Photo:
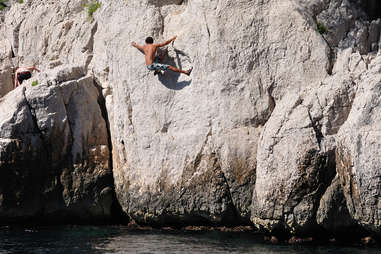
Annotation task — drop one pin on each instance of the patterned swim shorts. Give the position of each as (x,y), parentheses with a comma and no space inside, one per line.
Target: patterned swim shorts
(157,66)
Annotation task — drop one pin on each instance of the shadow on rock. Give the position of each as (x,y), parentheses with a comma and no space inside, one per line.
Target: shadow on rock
(170,79)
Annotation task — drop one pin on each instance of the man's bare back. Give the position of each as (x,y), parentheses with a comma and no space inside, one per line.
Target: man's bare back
(152,61)
(150,53)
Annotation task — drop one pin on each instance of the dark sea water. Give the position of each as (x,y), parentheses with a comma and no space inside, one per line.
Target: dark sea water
(112,239)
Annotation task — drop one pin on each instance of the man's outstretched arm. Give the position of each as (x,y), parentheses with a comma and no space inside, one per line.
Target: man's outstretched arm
(137,45)
(167,42)
(32,69)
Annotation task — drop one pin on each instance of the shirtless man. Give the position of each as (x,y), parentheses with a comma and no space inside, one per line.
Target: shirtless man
(23,73)
(153,61)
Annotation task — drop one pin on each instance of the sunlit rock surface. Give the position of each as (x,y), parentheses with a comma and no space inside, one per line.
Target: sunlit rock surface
(276,126)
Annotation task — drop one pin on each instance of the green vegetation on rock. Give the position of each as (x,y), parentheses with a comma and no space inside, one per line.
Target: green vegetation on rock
(35,83)
(2,4)
(321,28)
(92,7)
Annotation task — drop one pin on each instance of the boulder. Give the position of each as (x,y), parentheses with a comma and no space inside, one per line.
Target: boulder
(55,155)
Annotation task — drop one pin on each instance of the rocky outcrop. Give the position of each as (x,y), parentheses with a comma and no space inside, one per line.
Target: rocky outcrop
(358,145)
(275,127)
(187,147)
(54,152)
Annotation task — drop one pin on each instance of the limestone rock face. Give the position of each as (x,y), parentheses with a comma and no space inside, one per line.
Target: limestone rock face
(50,33)
(276,126)
(358,147)
(186,147)
(54,152)
(297,150)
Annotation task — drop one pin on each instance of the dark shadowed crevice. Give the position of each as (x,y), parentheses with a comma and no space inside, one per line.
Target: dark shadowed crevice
(331,58)
(272,102)
(161,3)
(237,219)
(16,38)
(316,126)
(102,106)
(118,216)
(372,8)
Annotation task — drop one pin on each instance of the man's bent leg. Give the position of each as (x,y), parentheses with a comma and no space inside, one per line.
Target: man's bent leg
(178,70)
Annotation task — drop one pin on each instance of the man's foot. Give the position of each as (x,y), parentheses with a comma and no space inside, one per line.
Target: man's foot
(188,72)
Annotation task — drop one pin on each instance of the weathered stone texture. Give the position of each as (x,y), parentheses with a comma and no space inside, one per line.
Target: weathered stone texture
(272,112)
(55,158)
(358,141)
(174,133)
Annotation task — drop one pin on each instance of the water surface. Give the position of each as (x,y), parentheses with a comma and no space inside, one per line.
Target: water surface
(116,239)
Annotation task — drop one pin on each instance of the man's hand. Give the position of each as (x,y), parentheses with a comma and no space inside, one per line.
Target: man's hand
(174,37)
(134,44)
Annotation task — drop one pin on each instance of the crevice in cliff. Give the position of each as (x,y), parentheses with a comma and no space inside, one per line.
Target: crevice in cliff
(238,219)
(89,48)
(161,3)
(12,53)
(331,54)
(16,38)
(70,124)
(162,22)
(117,214)
(316,126)
(331,58)
(102,105)
(272,102)
(207,29)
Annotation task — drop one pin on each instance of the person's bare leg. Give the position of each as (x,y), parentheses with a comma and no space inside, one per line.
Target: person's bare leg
(178,70)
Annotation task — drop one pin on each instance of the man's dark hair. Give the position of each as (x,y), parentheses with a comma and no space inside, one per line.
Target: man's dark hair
(149,40)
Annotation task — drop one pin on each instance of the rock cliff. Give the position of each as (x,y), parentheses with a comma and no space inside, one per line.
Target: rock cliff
(276,126)
(55,158)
